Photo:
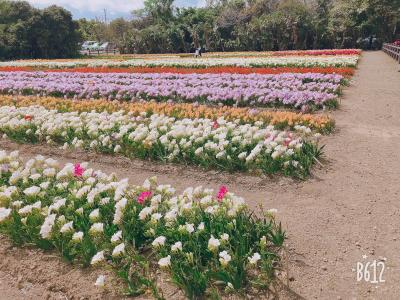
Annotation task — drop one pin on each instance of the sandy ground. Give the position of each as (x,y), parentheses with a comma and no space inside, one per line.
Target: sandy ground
(348,209)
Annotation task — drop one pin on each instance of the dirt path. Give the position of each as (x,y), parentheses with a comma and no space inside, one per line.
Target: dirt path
(348,209)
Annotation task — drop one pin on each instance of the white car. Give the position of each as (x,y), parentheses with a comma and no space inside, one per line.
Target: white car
(88,45)
(103,46)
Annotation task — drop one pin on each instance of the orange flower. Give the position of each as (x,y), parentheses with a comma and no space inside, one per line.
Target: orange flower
(281,119)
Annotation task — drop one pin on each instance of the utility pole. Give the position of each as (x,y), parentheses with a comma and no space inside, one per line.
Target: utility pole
(105,15)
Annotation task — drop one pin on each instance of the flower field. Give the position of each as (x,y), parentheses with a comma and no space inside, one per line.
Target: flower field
(243,61)
(279,119)
(291,90)
(199,237)
(203,142)
(256,113)
(345,71)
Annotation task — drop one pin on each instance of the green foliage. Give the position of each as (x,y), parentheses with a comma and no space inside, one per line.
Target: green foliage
(237,25)
(27,32)
(223,25)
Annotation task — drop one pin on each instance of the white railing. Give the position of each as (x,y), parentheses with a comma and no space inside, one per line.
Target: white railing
(392,50)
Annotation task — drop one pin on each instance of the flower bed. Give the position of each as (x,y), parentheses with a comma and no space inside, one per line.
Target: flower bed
(211,70)
(285,53)
(190,62)
(280,119)
(201,239)
(318,52)
(287,90)
(202,142)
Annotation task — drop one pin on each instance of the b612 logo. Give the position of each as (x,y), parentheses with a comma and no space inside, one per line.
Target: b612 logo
(370,271)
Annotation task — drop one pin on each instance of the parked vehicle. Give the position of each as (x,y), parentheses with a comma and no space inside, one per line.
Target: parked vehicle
(104,46)
(88,44)
(94,47)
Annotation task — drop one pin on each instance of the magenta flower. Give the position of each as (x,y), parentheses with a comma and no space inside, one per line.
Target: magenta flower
(143,196)
(78,170)
(215,125)
(221,193)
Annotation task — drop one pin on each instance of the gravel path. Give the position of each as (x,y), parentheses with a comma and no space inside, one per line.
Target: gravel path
(349,208)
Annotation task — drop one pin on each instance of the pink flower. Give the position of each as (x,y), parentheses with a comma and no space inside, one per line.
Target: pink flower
(221,193)
(215,125)
(78,170)
(143,196)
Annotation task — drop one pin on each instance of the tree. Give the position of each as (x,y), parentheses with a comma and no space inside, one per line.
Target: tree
(26,32)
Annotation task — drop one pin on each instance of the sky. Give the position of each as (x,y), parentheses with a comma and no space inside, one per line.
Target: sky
(95,8)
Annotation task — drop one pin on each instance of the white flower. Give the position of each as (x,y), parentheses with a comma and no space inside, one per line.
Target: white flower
(159,241)
(17,204)
(224,237)
(35,177)
(45,230)
(255,258)
(98,258)
(275,154)
(242,156)
(44,185)
(79,211)
(100,281)
(57,205)
(201,226)
(225,258)
(189,227)
(176,247)
(67,227)
(94,215)
(119,208)
(105,200)
(206,200)
(272,211)
(170,215)
(146,184)
(77,236)
(97,228)
(213,243)
(165,262)
(118,250)
(155,217)
(145,212)
(32,191)
(116,237)
(4,213)
(199,151)
(28,209)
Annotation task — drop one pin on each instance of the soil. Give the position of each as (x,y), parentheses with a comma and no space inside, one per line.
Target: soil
(348,209)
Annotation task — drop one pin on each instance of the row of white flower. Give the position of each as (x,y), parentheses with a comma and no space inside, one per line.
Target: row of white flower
(198,141)
(96,218)
(267,61)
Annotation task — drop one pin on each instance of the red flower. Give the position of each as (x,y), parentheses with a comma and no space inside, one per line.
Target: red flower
(215,125)
(28,117)
(78,170)
(212,70)
(221,193)
(143,196)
